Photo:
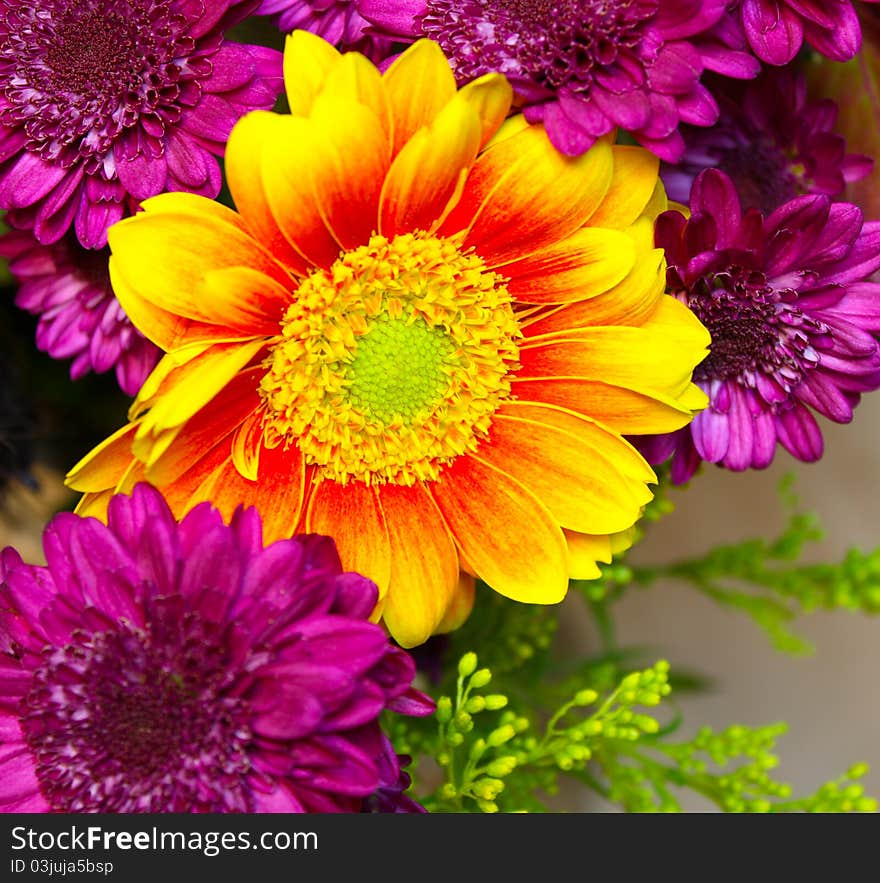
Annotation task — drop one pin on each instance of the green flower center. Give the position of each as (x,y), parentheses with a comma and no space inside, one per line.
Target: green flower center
(401,368)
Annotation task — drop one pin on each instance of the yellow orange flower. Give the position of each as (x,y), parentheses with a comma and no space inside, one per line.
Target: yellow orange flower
(424,332)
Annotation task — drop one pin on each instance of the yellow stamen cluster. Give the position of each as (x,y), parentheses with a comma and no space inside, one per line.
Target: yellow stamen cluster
(391,362)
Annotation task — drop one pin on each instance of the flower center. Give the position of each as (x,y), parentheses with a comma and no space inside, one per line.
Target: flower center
(129,720)
(756,329)
(556,43)
(764,177)
(391,362)
(80,74)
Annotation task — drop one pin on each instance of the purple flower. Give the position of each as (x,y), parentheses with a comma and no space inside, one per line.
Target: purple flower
(391,796)
(68,287)
(772,142)
(776,29)
(153,666)
(792,316)
(585,67)
(337,21)
(109,102)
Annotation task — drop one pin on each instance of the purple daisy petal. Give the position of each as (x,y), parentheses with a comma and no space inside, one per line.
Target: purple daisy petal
(68,287)
(125,685)
(793,317)
(585,67)
(113,101)
(337,21)
(776,29)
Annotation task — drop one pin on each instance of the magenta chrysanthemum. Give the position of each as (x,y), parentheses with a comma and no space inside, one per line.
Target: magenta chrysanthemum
(337,21)
(108,102)
(772,142)
(584,67)
(776,29)
(792,316)
(68,287)
(153,666)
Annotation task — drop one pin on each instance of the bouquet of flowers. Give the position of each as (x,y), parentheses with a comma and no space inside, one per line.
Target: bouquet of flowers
(394,328)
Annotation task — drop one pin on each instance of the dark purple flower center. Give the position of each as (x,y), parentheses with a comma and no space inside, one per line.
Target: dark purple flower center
(80,74)
(756,329)
(135,720)
(553,43)
(763,174)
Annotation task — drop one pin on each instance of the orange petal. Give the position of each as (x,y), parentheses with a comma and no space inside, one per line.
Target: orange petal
(104,465)
(626,411)
(185,391)
(226,413)
(259,303)
(632,187)
(243,164)
(588,263)
(427,176)
(247,444)
(181,493)
(581,478)
(507,535)
(352,516)
(524,195)
(629,303)
(424,564)
(277,494)
(627,458)
(419,85)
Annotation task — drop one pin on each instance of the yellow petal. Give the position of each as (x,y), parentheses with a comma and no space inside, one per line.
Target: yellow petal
(424,564)
(419,84)
(584,551)
(105,464)
(308,60)
(584,265)
(244,176)
(491,96)
(631,189)
(427,176)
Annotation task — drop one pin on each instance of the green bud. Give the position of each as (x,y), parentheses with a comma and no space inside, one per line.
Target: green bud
(585,697)
(487,789)
(495,701)
(475,704)
(444,709)
(481,678)
(501,735)
(461,721)
(502,766)
(467,665)
(455,739)
(487,806)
